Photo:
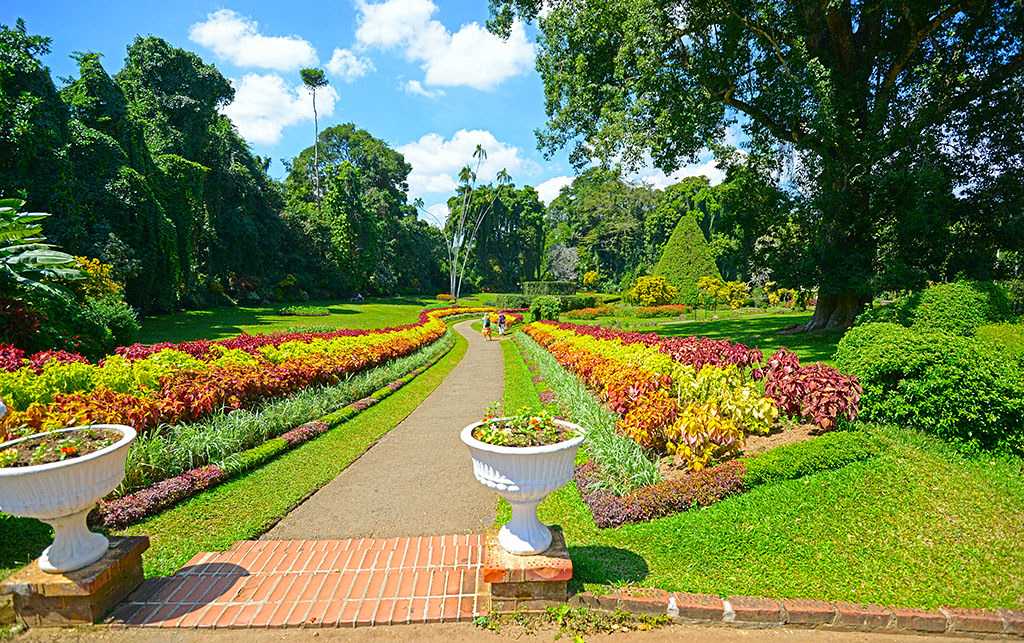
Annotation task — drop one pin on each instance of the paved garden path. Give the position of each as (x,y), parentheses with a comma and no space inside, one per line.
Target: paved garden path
(417,480)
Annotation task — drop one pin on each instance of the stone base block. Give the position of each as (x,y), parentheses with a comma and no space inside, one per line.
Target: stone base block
(527,583)
(80,597)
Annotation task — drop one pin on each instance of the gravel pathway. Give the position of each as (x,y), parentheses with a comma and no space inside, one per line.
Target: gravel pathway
(417,480)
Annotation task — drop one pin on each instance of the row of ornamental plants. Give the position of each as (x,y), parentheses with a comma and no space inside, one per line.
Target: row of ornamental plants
(145,386)
(696,398)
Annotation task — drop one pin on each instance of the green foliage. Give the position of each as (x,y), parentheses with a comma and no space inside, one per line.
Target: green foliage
(959,307)
(545,307)
(685,259)
(652,291)
(535,288)
(882,203)
(27,262)
(512,301)
(832,450)
(959,388)
(1008,337)
(305,311)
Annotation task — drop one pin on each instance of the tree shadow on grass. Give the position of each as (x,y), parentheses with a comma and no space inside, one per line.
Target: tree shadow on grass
(605,565)
(21,541)
(764,333)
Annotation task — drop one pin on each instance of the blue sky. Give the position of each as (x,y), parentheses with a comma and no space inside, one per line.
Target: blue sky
(423,75)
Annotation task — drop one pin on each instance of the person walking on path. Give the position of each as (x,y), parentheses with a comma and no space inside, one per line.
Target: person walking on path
(487,326)
(501,323)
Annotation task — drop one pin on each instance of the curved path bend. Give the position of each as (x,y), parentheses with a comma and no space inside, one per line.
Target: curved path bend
(417,480)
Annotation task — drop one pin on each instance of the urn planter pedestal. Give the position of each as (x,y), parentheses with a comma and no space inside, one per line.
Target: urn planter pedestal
(62,494)
(524,476)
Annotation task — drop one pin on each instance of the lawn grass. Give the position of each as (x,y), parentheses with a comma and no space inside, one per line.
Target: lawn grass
(520,391)
(753,328)
(246,506)
(921,525)
(218,323)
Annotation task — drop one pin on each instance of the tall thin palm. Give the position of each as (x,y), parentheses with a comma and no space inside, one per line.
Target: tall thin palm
(314,79)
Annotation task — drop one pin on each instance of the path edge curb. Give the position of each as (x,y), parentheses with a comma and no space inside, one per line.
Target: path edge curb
(760,612)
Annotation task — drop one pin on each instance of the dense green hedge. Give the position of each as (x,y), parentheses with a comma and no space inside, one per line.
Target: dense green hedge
(537,288)
(550,306)
(960,388)
(959,307)
(512,301)
(686,258)
(1006,337)
(824,453)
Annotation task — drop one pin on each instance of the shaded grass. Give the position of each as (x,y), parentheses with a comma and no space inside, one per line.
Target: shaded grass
(246,507)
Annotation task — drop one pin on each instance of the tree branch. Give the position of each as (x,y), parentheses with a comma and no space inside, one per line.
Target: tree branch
(915,42)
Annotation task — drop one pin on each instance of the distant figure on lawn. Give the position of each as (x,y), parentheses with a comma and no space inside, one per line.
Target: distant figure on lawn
(487,326)
(501,323)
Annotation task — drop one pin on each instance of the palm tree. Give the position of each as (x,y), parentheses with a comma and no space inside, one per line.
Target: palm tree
(313,79)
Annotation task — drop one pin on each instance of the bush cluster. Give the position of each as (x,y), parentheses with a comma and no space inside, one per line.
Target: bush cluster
(959,388)
(958,308)
(824,453)
(652,291)
(537,288)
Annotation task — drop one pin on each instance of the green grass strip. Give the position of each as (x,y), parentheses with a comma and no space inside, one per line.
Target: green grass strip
(520,391)
(245,507)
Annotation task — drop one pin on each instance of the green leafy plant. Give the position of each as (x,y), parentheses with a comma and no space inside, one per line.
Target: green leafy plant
(545,307)
(26,260)
(652,291)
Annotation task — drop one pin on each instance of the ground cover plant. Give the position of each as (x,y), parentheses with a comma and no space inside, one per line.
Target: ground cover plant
(881,515)
(242,508)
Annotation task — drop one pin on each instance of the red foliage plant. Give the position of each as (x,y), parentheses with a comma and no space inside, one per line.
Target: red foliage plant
(817,393)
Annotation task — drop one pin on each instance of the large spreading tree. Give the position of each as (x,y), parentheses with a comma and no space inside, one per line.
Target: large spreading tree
(898,123)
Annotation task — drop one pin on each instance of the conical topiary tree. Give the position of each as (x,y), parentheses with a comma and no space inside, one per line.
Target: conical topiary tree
(686,258)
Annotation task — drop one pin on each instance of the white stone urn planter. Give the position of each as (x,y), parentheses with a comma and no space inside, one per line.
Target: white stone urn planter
(524,476)
(62,494)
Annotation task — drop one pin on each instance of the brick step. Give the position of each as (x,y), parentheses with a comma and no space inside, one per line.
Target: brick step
(318,583)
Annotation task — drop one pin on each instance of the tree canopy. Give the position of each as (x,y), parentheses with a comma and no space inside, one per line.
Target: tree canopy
(885,119)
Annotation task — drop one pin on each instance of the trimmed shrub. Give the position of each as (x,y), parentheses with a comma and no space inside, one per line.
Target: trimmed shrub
(582,313)
(512,301)
(959,307)
(685,259)
(304,311)
(537,288)
(959,388)
(575,302)
(823,453)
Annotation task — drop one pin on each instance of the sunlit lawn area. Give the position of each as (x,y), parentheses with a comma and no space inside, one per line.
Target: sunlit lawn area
(753,328)
(920,525)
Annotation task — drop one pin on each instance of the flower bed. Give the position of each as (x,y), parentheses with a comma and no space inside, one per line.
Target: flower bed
(695,397)
(120,512)
(144,386)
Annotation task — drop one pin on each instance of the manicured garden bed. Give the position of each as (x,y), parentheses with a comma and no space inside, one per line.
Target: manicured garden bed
(914,522)
(242,508)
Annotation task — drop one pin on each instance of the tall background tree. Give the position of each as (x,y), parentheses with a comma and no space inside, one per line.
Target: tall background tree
(895,127)
(314,79)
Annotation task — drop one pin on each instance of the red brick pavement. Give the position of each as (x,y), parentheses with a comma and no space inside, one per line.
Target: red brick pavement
(318,583)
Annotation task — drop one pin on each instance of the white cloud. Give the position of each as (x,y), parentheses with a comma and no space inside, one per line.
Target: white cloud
(659,180)
(436,161)
(437,214)
(264,105)
(548,190)
(471,56)
(237,39)
(416,87)
(349,66)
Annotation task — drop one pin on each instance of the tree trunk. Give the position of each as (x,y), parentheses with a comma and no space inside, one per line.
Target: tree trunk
(835,311)
(316,153)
